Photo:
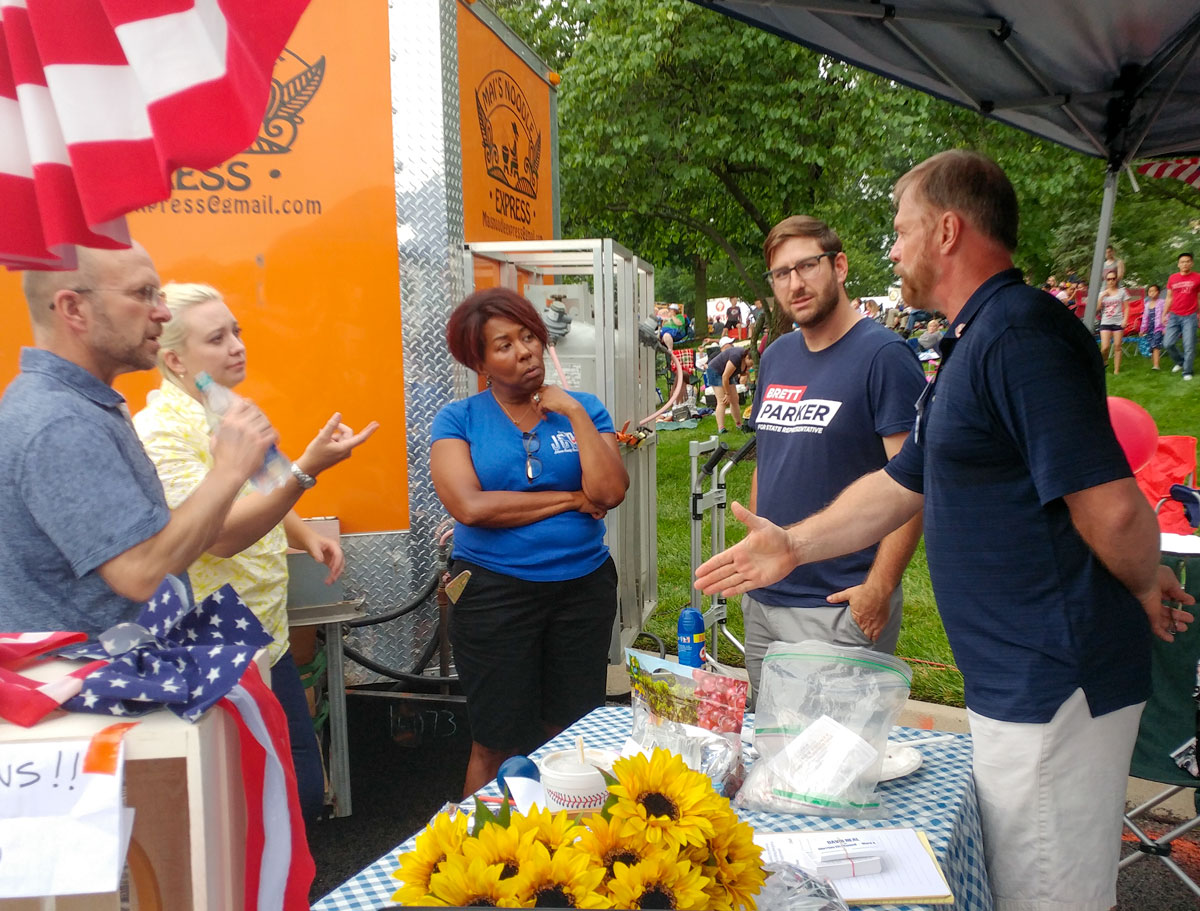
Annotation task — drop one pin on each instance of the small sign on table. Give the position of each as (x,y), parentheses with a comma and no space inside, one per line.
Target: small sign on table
(63,830)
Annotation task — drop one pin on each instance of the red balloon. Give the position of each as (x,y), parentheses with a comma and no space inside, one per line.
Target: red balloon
(1135,429)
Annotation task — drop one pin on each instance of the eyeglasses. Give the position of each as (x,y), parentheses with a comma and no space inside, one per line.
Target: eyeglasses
(150,295)
(806,269)
(533,465)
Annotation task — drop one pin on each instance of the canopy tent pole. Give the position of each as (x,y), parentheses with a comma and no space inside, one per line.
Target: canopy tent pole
(1096,280)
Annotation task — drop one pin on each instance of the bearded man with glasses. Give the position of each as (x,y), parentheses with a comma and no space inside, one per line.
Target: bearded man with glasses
(87,534)
(833,402)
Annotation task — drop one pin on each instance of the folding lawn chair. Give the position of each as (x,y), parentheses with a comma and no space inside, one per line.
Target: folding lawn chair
(1173,463)
(1169,721)
(1133,326)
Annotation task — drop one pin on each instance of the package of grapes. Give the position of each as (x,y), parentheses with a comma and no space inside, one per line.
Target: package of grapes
(693,712)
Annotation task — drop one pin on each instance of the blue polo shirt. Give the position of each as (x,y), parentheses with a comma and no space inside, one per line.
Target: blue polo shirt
(560,547)
(76,490)
(1017,419)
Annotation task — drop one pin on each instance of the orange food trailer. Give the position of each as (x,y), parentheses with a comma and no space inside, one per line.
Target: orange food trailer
(396,135)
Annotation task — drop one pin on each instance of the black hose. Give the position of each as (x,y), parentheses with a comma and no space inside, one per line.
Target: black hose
(413,676)
(406,608)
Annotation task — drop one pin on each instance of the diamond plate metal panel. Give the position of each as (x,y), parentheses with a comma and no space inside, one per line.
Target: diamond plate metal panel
(388,567)
(381,568)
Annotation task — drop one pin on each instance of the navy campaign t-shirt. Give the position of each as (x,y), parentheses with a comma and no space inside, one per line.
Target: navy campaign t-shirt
(819,417)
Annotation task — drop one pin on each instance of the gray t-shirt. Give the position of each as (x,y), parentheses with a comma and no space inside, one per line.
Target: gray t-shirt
(76,490)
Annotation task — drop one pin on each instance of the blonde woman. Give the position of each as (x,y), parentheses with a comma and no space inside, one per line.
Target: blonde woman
(250,552)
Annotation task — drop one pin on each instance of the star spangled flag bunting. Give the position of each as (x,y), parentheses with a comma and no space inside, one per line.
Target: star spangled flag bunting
(100,100)
(186,659)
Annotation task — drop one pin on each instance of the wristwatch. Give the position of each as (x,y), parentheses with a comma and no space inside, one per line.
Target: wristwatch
(306,481)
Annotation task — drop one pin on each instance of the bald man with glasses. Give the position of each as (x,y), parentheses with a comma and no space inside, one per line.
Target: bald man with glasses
(833,402)
(87,533)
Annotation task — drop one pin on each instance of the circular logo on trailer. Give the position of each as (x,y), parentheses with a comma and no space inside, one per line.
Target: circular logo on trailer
(511,138)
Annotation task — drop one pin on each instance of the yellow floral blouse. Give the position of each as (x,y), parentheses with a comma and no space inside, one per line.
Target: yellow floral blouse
(174,430)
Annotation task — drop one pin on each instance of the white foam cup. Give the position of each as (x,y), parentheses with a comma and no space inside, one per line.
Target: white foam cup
(573,785)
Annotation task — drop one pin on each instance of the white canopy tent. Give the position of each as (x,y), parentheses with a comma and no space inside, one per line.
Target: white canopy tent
(1117,79)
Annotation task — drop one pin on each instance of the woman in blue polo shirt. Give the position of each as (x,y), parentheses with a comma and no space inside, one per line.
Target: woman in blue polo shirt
(528,471)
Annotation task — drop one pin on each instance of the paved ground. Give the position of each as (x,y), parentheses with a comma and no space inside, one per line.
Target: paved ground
(396,786)
(399,782)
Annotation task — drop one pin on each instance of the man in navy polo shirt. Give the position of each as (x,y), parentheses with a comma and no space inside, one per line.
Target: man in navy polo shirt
(1043,553)
(87,533)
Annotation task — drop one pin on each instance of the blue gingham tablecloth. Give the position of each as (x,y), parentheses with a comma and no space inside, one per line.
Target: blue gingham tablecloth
(938,798)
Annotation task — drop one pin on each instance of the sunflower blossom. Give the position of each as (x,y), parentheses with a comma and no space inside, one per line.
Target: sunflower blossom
(570,878)
(735,868)
(554,830)
(602,839)
(497,845)
(660,881)
(461,882)
(440,839)
(662,799)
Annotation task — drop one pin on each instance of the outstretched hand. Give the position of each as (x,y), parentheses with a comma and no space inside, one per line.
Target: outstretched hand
(764,556)
(1166,621)
(333,444)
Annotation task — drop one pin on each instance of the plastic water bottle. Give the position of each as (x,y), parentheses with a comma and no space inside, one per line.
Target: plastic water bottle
(276,467)
(690,630)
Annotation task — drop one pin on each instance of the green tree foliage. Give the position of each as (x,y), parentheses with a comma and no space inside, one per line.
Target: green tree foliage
(553,28)
(686,135)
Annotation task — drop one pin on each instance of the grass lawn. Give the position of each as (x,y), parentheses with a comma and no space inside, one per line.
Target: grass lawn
(1175,405)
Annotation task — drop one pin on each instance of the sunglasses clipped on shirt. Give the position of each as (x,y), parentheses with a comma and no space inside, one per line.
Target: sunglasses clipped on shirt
(533,465)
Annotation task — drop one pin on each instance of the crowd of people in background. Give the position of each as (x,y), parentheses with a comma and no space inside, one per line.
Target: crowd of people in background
(1160,322)
(1160,317)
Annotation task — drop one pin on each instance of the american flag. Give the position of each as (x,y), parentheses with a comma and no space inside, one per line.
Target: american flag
(100,100)
(188,659)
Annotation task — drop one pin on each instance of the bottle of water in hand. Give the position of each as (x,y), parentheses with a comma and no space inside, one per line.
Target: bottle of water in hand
(276,467)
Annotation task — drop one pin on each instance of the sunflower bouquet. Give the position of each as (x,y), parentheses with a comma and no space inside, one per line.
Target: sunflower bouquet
(663,839)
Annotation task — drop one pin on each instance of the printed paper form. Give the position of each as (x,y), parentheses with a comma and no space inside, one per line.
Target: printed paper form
(910,872)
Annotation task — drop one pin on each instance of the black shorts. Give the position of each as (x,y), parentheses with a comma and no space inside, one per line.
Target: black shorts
(1104,327)
(531,655)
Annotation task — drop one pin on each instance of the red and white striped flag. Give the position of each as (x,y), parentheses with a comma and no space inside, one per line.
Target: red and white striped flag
(20,649)
(100,100)
(1185,169)
(279,867)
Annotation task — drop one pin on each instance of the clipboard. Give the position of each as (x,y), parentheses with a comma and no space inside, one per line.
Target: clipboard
(910,875)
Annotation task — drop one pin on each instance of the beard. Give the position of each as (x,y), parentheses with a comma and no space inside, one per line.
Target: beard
(916,283)
(824,302)
(120,350)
